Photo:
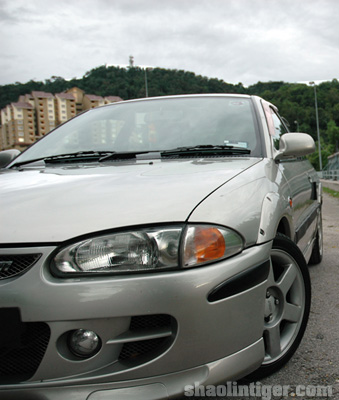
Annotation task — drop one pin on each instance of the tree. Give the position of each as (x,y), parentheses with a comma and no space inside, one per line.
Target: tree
(332,134)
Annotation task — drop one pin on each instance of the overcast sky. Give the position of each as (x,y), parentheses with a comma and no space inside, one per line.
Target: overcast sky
(234,40)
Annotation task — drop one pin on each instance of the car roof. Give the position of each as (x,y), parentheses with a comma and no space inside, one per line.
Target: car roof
(199,95)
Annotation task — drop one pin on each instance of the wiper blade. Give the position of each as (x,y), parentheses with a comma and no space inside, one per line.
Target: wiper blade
(34,160)
(205,149)
(80,155)
(125,155)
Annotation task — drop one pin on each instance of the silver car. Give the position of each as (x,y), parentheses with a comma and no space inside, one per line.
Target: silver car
(152,244)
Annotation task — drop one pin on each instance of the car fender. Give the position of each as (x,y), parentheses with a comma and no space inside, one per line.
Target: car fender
(276,213)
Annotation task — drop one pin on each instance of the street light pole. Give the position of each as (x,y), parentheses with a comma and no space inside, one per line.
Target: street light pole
(297,124)
(317,118)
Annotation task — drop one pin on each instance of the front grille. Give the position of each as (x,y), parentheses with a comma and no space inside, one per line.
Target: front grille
(133,351)
(22,346)
(12,265)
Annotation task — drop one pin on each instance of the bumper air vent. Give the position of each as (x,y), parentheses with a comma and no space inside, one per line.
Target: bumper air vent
(148,336)
(12,265)
(22,346)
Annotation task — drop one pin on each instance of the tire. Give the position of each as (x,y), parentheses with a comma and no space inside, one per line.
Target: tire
(287,306)
(317,252)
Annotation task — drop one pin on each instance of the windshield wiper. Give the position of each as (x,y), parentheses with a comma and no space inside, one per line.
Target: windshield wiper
(206,149)
(114,155)
(125,155)
(67,157)
(80,155)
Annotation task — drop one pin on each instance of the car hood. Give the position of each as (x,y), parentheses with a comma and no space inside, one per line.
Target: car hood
(56,203)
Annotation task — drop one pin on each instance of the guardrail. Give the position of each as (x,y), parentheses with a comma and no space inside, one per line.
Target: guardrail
(331,174)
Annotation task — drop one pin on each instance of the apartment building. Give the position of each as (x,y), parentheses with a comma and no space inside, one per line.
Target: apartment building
(65,107)
(44,112)
(85,101)
(18,125)
(36,114)
(5,118)
(78,95)
(112,99)
(92,101)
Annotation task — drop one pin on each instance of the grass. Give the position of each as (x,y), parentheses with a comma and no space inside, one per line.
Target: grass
(331,192)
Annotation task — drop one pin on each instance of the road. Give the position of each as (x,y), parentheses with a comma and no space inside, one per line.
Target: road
(316,362)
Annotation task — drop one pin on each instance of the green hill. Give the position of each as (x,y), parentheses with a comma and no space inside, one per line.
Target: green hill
(294,100)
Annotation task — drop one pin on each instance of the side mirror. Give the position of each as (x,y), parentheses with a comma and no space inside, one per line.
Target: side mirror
(7,156)
(294,144)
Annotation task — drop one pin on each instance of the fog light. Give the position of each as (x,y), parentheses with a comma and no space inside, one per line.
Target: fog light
(84,343)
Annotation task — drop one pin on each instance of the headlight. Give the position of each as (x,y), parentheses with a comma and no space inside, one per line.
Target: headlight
(140,250)
(148,250)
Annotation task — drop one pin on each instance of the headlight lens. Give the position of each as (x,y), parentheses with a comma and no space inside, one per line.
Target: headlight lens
(139,250)
(149,250)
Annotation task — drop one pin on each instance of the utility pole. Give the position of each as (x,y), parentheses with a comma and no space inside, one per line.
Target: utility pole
(146,83)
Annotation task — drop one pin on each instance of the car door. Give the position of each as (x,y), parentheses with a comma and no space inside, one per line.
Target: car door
(303,186)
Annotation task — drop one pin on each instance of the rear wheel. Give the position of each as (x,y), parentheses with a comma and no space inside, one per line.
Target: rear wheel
(287,305)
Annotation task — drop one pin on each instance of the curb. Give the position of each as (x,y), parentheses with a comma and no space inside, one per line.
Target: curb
(334,185)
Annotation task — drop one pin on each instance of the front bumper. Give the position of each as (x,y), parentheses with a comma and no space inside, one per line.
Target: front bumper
(192,339)
(154,388)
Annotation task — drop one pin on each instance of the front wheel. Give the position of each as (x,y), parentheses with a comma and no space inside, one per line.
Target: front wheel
(287,305)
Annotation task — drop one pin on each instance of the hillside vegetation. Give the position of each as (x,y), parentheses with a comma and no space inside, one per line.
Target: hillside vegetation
(296,101)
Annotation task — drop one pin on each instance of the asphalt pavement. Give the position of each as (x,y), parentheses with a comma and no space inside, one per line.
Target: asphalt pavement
(313,371)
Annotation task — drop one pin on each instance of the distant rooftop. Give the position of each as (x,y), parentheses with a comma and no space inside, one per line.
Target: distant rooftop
(113,98)
(44,95)
(94,97)
(64,95)
(22,104)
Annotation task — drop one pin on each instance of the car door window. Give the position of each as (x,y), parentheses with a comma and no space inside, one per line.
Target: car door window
(279,128)
(275,124)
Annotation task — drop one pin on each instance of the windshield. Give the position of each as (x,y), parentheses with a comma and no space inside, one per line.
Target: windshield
(154,125)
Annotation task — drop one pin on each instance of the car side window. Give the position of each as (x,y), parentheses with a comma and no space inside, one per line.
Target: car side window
(275,124)
(279,129)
